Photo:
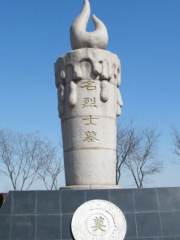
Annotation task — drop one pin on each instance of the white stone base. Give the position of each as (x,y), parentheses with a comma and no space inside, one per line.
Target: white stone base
(84,187)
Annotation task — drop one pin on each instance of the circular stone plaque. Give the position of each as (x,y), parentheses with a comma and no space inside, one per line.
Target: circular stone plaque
(98,220)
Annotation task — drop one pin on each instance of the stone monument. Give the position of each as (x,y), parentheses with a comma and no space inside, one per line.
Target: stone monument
(89,102)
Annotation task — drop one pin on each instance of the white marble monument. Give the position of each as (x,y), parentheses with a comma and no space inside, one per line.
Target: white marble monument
(89,102)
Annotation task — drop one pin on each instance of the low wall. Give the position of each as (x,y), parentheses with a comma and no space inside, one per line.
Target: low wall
(152,213)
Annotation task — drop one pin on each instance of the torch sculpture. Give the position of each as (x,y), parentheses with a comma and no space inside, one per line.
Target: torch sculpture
(89,102)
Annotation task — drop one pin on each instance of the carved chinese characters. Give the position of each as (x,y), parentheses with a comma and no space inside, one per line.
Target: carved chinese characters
(89,102)
(98,220)
(90,86)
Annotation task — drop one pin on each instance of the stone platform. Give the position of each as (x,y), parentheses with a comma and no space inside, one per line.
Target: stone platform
(151,214)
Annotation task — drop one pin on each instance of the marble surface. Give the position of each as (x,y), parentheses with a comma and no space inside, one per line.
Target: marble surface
(89,102)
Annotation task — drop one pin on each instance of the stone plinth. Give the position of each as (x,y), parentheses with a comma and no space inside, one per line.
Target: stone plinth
(89,103)
(150,214)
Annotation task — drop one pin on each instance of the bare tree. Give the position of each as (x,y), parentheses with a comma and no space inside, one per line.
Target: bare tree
(137,150)
(23,156)
(176,142)
(127,142)
(49,173)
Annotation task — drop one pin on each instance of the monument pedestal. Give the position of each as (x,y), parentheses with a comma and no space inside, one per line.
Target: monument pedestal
(151,213)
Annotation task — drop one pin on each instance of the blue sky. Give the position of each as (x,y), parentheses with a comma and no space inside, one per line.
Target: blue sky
(144,34)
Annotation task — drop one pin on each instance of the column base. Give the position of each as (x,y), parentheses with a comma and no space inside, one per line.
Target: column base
(84,187)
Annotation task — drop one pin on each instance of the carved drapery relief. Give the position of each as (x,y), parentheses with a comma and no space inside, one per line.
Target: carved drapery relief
(105,67)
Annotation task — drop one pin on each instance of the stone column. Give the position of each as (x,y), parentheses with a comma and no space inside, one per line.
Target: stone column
(89,102)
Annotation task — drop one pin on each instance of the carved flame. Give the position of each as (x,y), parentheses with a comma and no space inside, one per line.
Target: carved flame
(80,38)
